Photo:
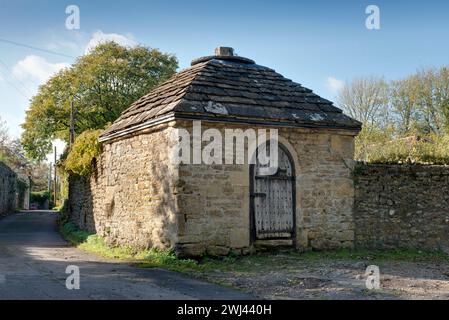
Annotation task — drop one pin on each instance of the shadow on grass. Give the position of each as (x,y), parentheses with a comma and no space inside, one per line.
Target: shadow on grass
(257,262)
(145,258)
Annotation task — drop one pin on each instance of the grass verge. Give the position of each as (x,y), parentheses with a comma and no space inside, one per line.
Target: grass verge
(260,262)
(148,258)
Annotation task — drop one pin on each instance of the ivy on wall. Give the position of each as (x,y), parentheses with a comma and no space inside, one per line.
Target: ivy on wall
(79,159)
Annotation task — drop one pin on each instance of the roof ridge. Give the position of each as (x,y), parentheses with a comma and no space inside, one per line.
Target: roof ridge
(203,65)
(142,101)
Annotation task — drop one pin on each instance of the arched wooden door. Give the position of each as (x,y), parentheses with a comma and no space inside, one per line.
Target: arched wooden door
(273,200)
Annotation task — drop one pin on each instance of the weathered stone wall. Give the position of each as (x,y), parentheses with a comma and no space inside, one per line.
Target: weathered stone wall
(8,180)
(402,206)
(23,192)
(137,197)
(214,199)
(129,199)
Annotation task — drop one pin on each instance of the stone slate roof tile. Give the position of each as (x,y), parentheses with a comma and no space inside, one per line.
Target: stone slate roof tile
(227,88)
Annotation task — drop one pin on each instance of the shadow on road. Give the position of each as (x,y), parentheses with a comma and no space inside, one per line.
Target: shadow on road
(34,258)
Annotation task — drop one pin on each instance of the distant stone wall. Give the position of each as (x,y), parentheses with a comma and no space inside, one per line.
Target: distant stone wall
(8,185)
(402,206)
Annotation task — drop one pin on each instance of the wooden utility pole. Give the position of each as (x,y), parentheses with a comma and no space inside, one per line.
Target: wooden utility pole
(50,169)
(54,187)
(72,124)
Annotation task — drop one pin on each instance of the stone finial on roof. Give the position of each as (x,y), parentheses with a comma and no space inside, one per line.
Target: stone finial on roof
(224,51)
(225,54)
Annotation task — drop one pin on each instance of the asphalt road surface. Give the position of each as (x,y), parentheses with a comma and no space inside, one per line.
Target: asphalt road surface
(34,258)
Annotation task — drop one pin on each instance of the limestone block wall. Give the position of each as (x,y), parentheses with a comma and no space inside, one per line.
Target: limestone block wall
(8,189)
(214,199)
(214,202)
(325,189)
(402,206)
(138,197)
(130,198)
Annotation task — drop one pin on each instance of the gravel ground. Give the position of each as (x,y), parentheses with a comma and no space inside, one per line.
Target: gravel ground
(287,276)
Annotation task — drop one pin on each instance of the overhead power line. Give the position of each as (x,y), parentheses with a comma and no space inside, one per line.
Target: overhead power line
(15,78)
(35,48)
(14,86)
(24,90)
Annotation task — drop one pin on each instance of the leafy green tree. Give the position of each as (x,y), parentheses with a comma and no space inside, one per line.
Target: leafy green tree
(102,84)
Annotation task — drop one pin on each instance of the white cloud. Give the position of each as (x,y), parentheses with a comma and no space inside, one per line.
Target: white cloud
(101,37)
(63,45)
(334,85)
(35,68)
(71,43)
(60,147)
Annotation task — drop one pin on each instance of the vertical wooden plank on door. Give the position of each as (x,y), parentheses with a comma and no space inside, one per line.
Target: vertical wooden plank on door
(273,200)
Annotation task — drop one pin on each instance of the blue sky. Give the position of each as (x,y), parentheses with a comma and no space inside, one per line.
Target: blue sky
(319,44)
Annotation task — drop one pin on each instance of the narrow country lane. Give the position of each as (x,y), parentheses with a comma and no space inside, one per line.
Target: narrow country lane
(34,257)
